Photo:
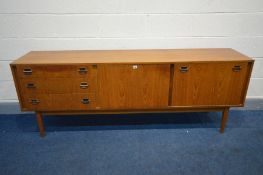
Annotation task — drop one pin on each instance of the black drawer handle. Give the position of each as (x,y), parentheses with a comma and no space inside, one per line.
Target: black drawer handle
(183,69)
(27,71)
(30,85)
(236,68)
(83,70)
(83,85)
(85,101)
(35,101)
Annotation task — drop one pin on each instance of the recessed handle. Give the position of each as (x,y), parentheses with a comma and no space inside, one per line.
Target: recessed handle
(85,101)
(83,70)
(30,85)
(236,68)
(83,85)
(183,69)
(35,101)
(27,71)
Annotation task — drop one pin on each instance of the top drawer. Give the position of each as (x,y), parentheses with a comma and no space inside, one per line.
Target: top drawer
(56,71)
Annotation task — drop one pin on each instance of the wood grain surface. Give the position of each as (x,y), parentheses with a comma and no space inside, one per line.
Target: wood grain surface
(209,84)
(131,56)
(122,86)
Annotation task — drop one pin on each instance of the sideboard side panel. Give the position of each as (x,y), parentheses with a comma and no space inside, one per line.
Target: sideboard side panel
(17,85)
(246,84)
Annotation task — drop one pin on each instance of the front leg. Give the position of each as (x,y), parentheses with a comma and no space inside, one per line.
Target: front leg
(40,124)
(224,119)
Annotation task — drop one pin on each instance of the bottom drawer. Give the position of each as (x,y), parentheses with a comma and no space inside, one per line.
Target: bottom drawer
(59,102)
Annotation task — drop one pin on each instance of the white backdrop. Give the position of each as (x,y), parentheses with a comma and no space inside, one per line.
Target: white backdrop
(129,24)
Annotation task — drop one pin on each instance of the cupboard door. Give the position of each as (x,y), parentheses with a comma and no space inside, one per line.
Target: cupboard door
(133,86)
(207,84)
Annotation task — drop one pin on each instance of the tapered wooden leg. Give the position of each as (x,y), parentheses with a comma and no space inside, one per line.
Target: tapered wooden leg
(40,124)
(224,119)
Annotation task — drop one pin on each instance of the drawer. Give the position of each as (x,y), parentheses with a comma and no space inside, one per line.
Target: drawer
(56,71)
(57,85)
(59,102)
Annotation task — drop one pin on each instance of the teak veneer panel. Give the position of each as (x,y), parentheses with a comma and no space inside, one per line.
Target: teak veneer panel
(58,85)
(131,56)
(56,71)
(123,87)
(209,84)
(59,102)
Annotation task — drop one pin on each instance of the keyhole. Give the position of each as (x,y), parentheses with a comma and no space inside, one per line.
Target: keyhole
(134,66)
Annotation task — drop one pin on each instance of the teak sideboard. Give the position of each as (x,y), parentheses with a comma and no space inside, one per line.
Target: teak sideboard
(127,81)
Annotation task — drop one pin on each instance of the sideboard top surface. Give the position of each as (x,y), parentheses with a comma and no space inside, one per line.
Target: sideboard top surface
(131,56)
